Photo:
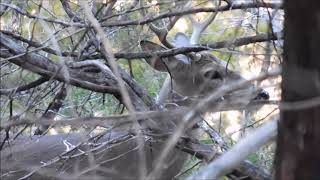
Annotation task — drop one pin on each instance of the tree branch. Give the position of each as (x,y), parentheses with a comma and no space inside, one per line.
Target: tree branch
(238,152)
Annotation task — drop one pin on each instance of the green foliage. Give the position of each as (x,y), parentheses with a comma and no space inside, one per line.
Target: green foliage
(266,161)
(254,159)
(221,33)
(20,4)
(57,8)
(145,76)
(206,141)
(85,103)
(225,56)
(263,27)
(189,167)
(65,44)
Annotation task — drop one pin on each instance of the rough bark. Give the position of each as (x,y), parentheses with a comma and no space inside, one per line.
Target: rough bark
(298,143)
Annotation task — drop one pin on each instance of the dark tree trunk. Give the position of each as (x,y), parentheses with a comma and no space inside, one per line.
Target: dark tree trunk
(298,142)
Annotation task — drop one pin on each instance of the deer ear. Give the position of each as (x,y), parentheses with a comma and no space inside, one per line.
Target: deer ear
(162,64)
(150,46)
(155,61)
(181,40)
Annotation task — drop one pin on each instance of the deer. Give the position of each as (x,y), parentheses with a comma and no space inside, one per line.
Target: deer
(116,153)
(193,77)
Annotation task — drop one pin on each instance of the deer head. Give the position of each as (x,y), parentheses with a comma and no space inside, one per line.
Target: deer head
(195,75)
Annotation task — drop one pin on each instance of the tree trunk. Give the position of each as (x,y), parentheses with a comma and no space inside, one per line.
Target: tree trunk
(298,141)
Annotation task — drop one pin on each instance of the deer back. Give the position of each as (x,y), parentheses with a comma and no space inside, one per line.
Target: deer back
(113,156)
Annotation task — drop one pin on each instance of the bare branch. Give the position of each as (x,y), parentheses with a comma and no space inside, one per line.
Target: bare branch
(31,85)
(109,55)
(238,153)
(52,110)
(217,45)
(151,19)
(49,69)
(25,13)
(147,20)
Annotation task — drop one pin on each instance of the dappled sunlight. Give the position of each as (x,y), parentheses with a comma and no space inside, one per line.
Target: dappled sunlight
(202,15)
(99,114)
(118,5)
(74,1)
(59,129)
(53,131)
(265,112)
(272,86)
(250,65)
(233,118)
(33,11)
(2,24)
(212,117)
(181,25)
(230,122)
(244,67)
(154,2)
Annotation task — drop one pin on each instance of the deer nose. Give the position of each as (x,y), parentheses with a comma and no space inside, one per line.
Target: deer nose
(262,95)
(212,75)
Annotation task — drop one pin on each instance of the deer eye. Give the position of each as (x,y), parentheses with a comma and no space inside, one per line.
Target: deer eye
(195,56)
(212,75)
(198,57)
